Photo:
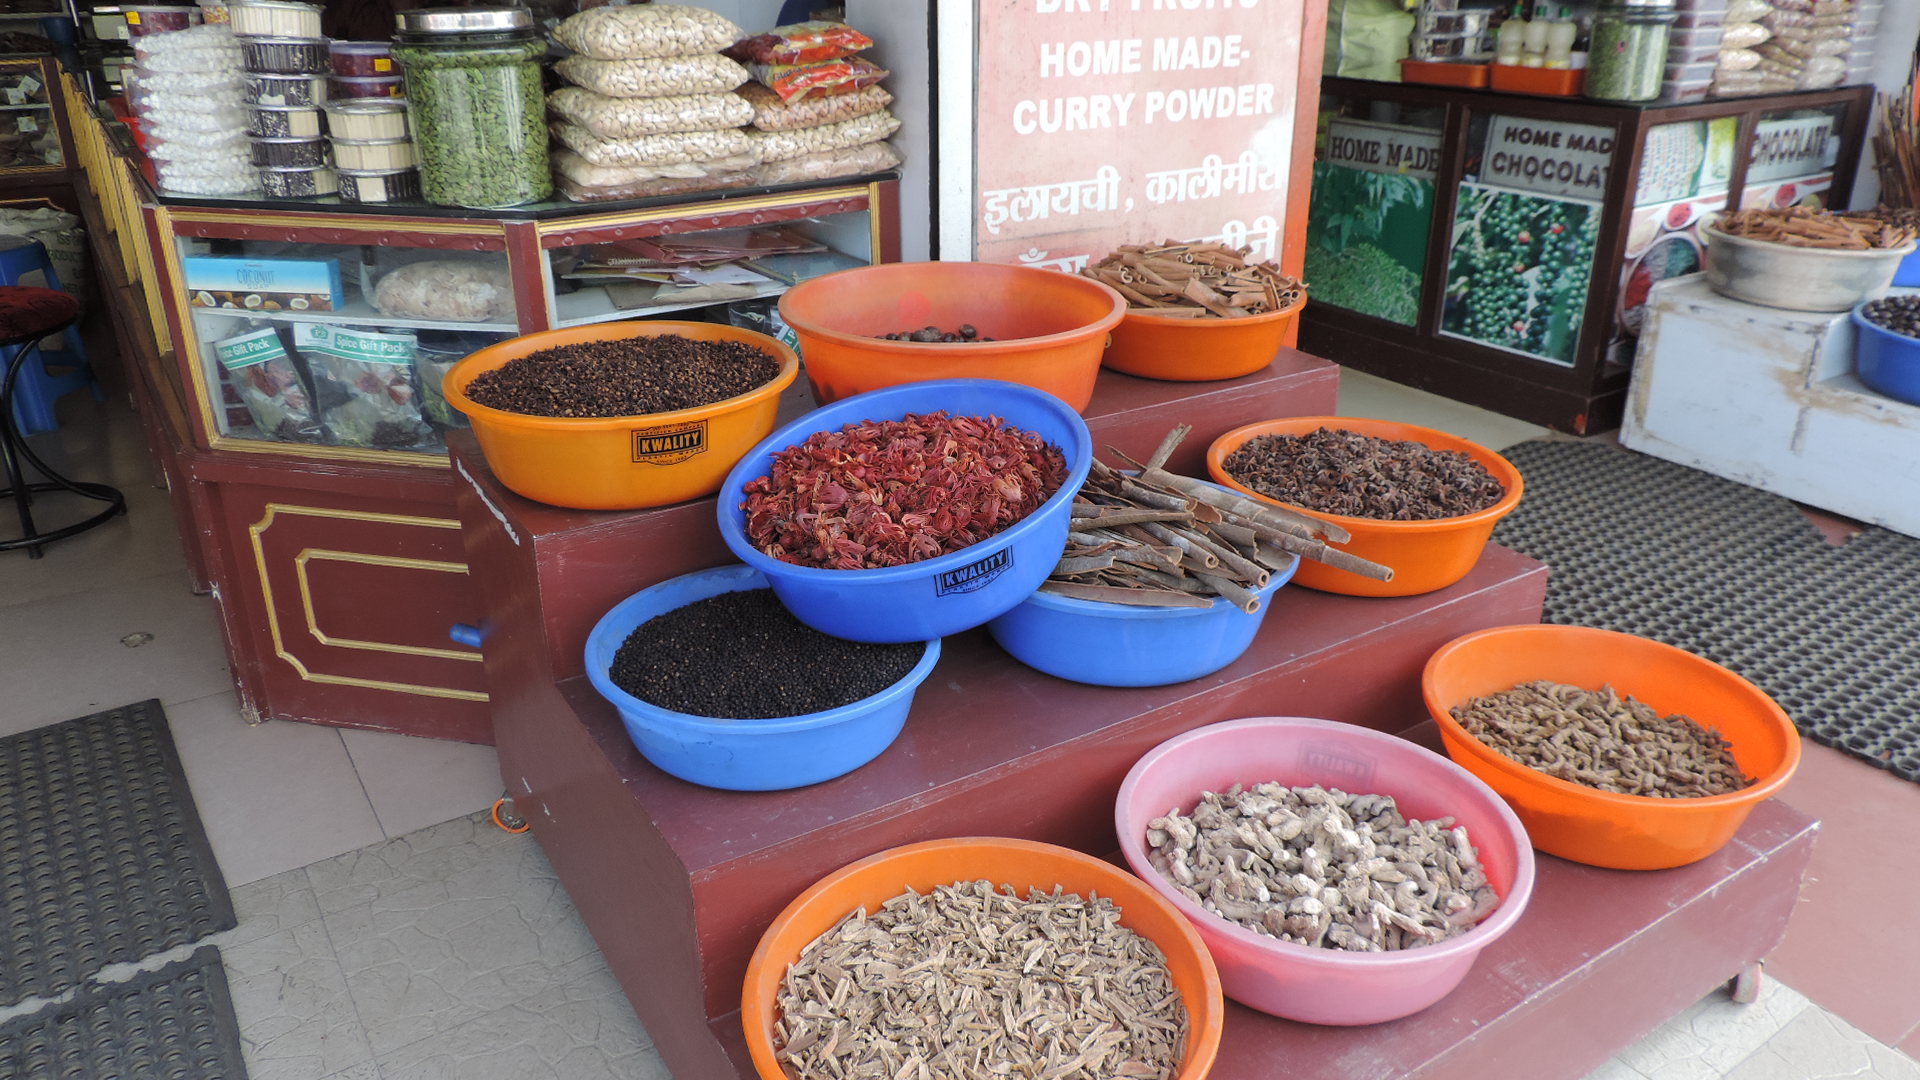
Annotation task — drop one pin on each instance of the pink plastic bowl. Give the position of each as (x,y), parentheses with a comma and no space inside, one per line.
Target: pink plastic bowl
(1303,982)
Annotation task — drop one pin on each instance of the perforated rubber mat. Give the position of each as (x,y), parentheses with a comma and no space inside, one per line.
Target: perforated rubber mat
(175,1023)
(102,857)
(1736,575)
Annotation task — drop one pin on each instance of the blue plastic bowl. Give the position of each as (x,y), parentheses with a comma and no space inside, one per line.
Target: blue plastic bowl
(936,597)
(1887,362)
(1907,274)
(744,755)
(1119,645)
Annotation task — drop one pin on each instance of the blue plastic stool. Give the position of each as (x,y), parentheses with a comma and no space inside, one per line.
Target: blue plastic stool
(37,387)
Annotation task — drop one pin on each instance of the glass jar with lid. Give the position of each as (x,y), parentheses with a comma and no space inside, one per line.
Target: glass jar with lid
(476,104)
(1627,56)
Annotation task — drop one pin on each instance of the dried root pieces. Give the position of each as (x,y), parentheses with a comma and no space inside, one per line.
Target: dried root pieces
(1596,739)
(1317,866)
(1802,226)
(973,982)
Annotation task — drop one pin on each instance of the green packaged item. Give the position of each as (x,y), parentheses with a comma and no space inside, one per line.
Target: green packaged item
(262,372)
(476,105)
(365,384)
(1627,56)
(1367,39)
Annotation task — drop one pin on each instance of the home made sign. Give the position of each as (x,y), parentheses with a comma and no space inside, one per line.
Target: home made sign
(1547,156)
(1107,122)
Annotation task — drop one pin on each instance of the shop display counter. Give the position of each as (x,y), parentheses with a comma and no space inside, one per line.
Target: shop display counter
(1498,249)
(1769,398)
(36,150)
(311,468)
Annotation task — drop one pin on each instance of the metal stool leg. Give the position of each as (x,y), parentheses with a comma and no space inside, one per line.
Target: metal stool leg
(18,455)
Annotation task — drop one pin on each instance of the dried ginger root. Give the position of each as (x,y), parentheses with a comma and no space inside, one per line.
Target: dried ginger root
(1317,866)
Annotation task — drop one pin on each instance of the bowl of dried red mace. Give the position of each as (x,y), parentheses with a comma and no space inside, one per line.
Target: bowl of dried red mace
(912,512)
(1420,501)
(1517,705)
(1048,329)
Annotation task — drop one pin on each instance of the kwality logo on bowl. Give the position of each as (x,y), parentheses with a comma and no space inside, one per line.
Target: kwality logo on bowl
(975,575)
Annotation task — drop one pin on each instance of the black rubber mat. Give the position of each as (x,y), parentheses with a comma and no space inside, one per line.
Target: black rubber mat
(175,1023)
(102,857)
(1736,575)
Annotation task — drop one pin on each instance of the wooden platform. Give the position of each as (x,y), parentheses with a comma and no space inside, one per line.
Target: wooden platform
(677,882)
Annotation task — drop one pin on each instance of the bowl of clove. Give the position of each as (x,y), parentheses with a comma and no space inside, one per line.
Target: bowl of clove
(1419,501)
(877,326)
(1338,875)
(1689,748)
(981,956)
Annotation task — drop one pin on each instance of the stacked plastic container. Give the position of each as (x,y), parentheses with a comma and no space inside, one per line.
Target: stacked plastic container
(1693,49)
(1866,30)
(185,87)
(285,54)
(373,150)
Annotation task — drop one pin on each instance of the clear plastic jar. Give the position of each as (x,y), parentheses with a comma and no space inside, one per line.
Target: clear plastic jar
(476,104)
(1627,56)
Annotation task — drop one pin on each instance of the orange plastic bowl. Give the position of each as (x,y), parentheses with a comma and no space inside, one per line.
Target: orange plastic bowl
(1600,828)
(1019,863)
(1424,555)
(1198,350)
(620,462)
(1049,328)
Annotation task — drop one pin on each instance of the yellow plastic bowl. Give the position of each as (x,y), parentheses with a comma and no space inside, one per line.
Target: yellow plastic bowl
(620,462)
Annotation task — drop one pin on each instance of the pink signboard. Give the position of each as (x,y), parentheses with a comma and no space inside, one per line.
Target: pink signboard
(1108,122)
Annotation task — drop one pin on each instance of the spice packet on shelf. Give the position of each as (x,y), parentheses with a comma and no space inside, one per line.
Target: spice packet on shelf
(800,43)
(435,353)
(797,82)
(262,372)
(365,384)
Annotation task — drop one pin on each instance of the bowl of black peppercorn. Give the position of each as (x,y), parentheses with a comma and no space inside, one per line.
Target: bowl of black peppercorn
(719,685)
(1887,346)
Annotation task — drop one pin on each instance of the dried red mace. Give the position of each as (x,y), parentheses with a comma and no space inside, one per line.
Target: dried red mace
(889,492)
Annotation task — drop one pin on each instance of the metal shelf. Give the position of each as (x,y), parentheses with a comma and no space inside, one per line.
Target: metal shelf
(356,310)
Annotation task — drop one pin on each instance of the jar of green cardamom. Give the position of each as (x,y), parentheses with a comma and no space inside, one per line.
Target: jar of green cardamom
(1627,55)
(476,104)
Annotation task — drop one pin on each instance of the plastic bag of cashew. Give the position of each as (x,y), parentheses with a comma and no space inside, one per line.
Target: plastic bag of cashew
(653,78)
(644,31)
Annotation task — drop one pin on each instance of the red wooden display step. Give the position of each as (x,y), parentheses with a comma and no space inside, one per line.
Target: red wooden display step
(677,882)
(1600,958)
(587,561)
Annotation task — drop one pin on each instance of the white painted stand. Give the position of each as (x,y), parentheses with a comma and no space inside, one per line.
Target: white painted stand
(1768,398)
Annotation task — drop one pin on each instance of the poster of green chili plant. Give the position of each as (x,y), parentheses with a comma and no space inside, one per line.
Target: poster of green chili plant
(1367,240)
(1517,271)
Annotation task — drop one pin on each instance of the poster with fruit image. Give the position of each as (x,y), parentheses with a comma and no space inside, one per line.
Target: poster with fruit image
(1370,216)
(1517,270)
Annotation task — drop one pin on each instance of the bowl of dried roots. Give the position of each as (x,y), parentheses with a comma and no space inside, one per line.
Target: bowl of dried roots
(981,956)
(1615,750)
(1338,875)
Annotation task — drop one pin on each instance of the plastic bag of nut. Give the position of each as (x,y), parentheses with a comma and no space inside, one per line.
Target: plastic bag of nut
(781,145)
(456,290)
(870,157)
(671,148)
(646,31)
(581,173)
(626,118)
(653,78)
(647,189)
(769,113)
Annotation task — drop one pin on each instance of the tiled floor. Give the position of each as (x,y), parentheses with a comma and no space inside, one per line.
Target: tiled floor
(388,932)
